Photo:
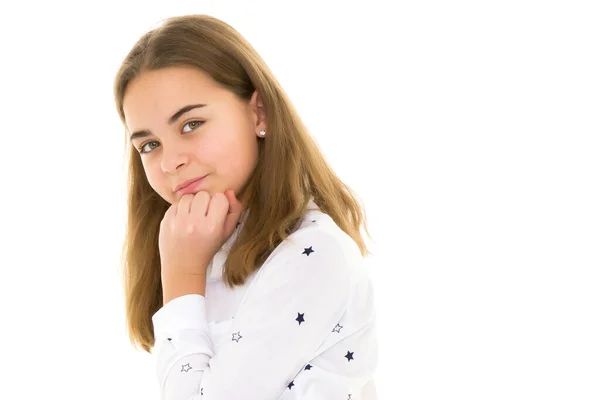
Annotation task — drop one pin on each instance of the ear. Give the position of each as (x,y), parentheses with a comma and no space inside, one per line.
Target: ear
(258,111)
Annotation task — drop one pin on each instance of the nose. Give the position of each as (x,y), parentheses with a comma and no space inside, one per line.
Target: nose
(173,158)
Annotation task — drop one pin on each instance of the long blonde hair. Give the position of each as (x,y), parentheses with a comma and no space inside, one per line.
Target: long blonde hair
(290,170)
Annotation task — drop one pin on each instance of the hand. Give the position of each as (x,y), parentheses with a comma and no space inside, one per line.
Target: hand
(194,229)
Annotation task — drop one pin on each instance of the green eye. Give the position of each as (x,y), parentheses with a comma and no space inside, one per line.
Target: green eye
(195,123)
(141,148)
(198,123)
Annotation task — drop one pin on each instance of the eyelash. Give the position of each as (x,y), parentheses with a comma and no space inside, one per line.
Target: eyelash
(140,148)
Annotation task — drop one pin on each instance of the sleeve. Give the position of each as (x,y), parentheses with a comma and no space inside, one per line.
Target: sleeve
(299,296)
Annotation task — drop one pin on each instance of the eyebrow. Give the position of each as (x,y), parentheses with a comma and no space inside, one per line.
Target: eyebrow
(174,117)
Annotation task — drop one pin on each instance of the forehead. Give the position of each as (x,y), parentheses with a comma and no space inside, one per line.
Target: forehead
(161,92)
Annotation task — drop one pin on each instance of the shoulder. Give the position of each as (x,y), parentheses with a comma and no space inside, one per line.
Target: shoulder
(320,227)
(320,246)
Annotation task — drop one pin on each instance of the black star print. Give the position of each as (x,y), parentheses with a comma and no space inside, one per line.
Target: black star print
(308,250)
(290,385)
(185,368)
(349,356)
(236,336)
(201,391)
(314,220)
(308,367)
(349,396)
(169,339)
(337,328)
(300,318)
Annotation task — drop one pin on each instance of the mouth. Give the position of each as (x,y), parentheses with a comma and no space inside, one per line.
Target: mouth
(189,186)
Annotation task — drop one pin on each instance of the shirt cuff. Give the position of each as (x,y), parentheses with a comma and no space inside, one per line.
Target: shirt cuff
(181,313)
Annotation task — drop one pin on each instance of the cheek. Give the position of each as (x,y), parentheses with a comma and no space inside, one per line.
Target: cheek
(219,150)
(237,156)
(155,177)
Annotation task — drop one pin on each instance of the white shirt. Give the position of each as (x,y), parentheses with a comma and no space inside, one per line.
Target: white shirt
(301,327)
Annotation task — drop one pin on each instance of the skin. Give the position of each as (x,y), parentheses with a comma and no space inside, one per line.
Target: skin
(219,140)
(223,144)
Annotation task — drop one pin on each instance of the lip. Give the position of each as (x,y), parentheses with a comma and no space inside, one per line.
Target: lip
(188,185)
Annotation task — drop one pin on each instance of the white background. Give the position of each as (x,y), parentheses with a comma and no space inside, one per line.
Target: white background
(469,129)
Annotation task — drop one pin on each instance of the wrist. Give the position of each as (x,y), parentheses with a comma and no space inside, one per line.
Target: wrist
(177,285)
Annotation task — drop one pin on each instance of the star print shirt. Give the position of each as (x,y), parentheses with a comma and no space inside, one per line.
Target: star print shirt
(301,327)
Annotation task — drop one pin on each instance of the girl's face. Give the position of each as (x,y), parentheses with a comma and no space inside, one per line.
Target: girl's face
(185,126)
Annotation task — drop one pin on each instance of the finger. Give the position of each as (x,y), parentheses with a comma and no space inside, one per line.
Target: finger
(235,206)
(234,212)
(184,204)
(217,209)
(199,205)
(169,214)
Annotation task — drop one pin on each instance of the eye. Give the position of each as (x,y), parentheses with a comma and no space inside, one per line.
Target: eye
(141,148)
(197,124)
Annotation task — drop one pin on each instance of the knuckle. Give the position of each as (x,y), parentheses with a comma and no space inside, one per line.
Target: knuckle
(211,226)
(190,228)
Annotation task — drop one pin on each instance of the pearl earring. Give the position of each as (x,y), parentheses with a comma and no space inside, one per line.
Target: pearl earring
(262,133)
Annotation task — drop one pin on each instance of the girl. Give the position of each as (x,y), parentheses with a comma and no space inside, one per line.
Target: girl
(243,256)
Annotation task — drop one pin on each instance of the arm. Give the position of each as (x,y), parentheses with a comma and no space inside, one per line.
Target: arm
(299,296)
(181,285)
